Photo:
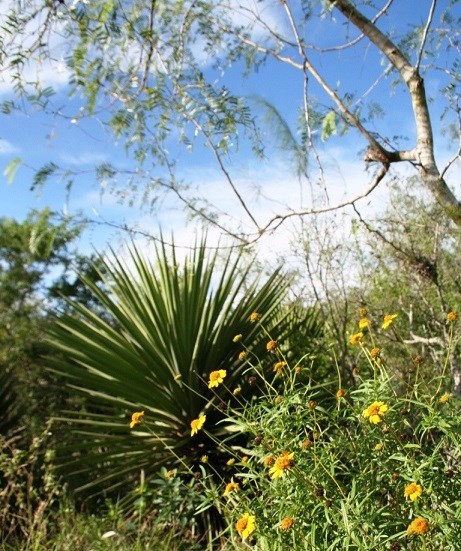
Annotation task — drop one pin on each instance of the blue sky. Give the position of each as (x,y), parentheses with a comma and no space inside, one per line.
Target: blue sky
(38,138)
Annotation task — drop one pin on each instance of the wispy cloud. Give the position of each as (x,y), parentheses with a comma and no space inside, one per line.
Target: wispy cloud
(7,148)
(83,159)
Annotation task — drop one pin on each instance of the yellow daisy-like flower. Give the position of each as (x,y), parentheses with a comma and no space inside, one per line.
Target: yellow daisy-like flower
(136,418)
(286,523)
(340,393)
(245,459)
(364,323)
(298,369)
(237,338)
(356,338)
(281,465)
(204,459)
(379,447)
(278,367)
(375,352)
(246,525)
(452,316)
(197,424)
(413,491)
(272,346)
(255,316)
(363,312)
(418,526)
(230,461)
(242,355)
(170,473)
(231,487)
(445,398)
(388,320)
(216,378)
(375,412)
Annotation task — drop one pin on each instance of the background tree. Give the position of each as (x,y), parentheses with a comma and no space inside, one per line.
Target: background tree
(160,73)
(34,255)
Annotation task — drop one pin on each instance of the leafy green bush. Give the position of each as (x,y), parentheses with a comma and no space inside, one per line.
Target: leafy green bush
(372,466)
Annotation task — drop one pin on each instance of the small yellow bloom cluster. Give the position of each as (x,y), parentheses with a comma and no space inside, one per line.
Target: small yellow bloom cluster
(216,378)
(268,460)
(413,491)
(375,352)
(197,424)
(445,398)
(340,393)
(375,412)
(254,317)
(452,316)
(379,447)
(272,346)
(231,487)
(242,355)
(282,464)
(278,367)
(237,338)
(388,320)
(356,338)
(364,323)
(246,525)
(418,526)
(136,418)
(286,523)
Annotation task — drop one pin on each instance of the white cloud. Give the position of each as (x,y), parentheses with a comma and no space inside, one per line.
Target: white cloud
(85,158)
(7,148)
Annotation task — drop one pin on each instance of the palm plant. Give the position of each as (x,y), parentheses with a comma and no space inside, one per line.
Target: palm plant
(167,325)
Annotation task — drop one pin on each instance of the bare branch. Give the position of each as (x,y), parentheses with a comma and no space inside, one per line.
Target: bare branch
(425,32)
(279,219)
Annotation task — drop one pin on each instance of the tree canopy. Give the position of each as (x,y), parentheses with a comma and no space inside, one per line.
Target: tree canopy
(378,77)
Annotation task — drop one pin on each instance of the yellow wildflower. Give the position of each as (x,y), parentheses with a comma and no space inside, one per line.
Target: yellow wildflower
(375,412)
(364,323)
(272,346)
(388,320)
(136,418)
(375,352)
(298,369)
(230,462)
(311,404)
(255,316)
(246,525)
(282,464)
(418,526)
(340,393)
(204,459)
(237,390)
(242,355)
(216,378)
(170,473)
(413,491)
(268,460)
(306,444)
(278,367)
(452,316)
(237,338)
(197,424)
(445,398)
(363,312)
(356,338)
(245,459)
(379,447)
(286,523)
(231,487)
